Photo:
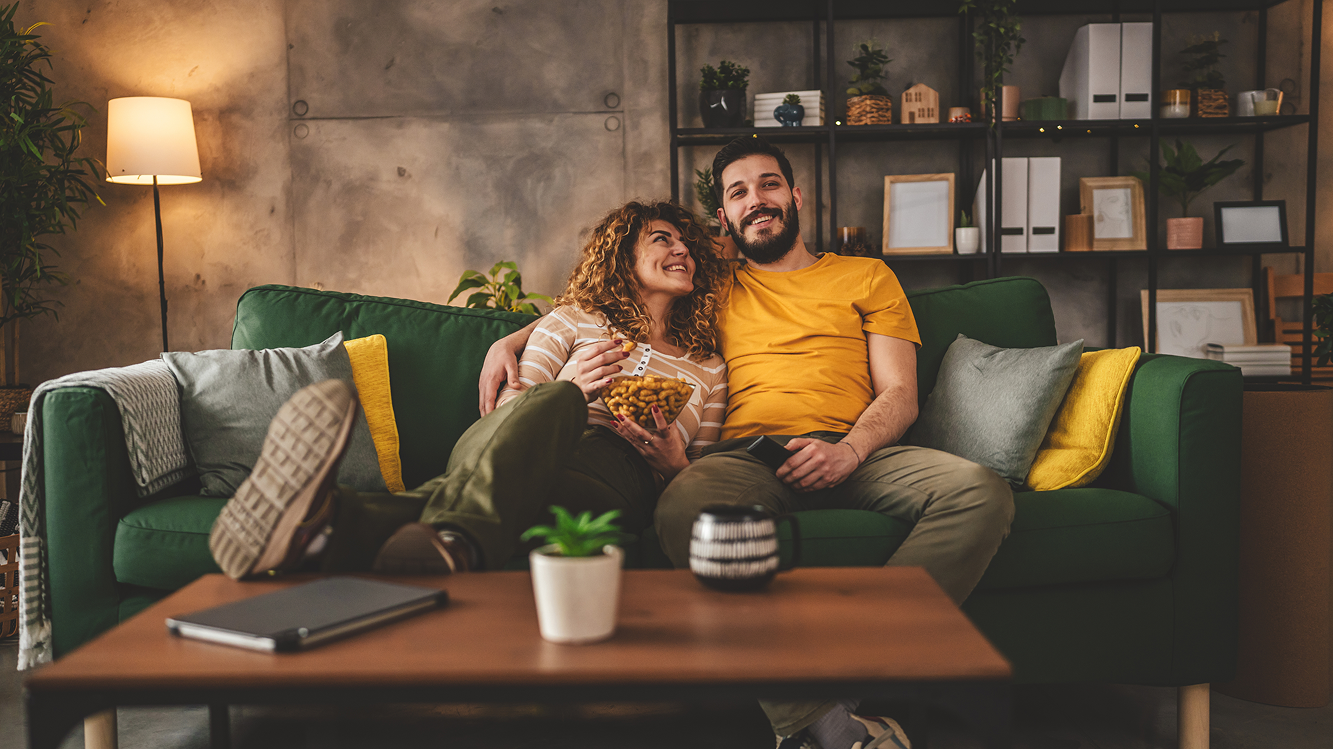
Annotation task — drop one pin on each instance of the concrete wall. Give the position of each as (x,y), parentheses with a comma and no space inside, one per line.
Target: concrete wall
(385,147)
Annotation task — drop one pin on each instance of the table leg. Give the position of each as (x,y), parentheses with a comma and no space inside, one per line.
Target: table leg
(219,726)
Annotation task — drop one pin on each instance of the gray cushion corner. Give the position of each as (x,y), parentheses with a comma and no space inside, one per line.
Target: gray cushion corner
(993,405)
(228,397)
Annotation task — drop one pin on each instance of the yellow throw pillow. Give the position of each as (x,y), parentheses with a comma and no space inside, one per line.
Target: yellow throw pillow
(370,371)
(1078,445)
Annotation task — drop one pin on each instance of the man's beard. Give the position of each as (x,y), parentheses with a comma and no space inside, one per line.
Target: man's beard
(775,247)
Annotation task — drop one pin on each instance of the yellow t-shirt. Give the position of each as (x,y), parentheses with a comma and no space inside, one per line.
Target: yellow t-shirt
(795,344)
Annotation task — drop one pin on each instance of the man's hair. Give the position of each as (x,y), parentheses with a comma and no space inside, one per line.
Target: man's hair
(739,149)
(605,280)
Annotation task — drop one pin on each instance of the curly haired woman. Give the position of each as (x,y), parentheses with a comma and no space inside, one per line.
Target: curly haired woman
(649,276)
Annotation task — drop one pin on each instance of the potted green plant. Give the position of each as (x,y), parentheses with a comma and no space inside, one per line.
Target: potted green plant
(495,292)
(43,186)
(997,40)
(966,237)
(707,197)
(1208,83)
(722,94)
(790,112)
(1183,177)
(868,102)
(576,576)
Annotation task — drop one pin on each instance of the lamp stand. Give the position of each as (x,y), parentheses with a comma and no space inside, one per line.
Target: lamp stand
(161,277)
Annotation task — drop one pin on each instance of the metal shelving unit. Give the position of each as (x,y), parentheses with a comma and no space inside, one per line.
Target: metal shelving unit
(825,139)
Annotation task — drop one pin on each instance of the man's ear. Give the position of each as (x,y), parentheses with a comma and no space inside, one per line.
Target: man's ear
(796,196)
(722,217)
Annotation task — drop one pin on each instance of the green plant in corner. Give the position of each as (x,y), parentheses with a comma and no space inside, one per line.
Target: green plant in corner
(1205,52)
(1185,175)
(43,184)
(869,64)
(581,536)
(1322,306)
(704,193)
(997,38)
(727,75)
(496,292)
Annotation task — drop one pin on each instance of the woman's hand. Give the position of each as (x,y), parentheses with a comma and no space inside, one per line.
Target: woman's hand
(663,447)
(594,367)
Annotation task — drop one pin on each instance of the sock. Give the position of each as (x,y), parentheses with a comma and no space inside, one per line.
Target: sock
(836,729)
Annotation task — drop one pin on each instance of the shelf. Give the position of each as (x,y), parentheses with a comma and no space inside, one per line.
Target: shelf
(944,257)
(922,131)
(717,136)
(1099,254)
(752,11)
(1143,128)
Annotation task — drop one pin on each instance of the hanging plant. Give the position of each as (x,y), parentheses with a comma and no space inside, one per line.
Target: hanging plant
(998,41)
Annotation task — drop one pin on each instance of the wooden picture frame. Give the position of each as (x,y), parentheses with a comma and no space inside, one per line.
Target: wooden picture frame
(1195,317)
(1118,221)
(918,217)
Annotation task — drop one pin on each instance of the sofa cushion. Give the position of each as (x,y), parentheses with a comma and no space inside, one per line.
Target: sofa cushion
(370,371)
(164,545)
(1082,536)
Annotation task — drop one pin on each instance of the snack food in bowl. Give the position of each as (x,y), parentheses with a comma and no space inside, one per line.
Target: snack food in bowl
(633,397)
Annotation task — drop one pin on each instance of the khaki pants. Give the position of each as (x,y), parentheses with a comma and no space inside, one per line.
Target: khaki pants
(960,512)
(506,470)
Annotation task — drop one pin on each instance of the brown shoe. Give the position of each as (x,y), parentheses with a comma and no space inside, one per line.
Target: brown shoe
(419,549)
(288,498)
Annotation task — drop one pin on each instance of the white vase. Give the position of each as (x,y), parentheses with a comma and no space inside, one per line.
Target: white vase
(967,239)
(577,597)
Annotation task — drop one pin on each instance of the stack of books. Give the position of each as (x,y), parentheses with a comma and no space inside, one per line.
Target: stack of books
(764,104)
(1264,360)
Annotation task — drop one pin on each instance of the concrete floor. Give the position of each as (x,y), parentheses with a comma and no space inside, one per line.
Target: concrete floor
(1046,717)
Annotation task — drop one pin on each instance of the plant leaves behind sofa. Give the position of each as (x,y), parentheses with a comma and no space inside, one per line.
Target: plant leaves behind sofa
(1131,580)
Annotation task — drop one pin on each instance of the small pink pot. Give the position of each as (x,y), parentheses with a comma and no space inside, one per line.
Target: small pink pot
(1184,233)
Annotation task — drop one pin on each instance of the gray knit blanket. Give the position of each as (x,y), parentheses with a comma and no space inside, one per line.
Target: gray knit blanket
(149,405)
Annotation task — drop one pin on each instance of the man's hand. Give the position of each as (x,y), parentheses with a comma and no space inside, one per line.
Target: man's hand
(500,369)
(817,464)
(594,367)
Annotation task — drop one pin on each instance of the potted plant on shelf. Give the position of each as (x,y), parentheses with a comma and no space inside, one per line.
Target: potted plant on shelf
(704,193)
(1184,176)
(868,102)
(43,186)
(790,112)
(997,40)
(722,94)
(499,293)
(966,237)
(1210,95)
(576,576)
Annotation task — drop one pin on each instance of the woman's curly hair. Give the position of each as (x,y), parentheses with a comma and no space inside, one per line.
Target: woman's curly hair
(604,279)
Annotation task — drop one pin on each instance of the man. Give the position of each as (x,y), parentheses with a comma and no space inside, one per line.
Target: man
(821,354)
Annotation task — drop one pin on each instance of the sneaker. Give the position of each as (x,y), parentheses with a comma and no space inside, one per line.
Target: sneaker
(420,549)
(799,740)
(884,732)
(288,499)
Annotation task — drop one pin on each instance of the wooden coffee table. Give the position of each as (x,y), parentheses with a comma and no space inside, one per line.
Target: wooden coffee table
(884,632)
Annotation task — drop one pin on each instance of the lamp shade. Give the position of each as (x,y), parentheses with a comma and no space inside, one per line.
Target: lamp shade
(149,136)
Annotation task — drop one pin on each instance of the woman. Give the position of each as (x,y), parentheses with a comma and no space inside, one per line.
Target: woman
(650,276)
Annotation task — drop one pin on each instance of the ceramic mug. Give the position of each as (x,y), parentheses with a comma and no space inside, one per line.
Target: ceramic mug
(735,547)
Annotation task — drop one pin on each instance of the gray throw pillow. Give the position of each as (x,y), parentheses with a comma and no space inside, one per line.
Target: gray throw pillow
(993,405)
(229,397)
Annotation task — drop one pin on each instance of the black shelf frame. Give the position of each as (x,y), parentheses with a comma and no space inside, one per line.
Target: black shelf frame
(825,139)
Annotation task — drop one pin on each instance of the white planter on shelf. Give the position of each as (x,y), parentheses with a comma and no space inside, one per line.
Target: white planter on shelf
(967,239)
(577,597)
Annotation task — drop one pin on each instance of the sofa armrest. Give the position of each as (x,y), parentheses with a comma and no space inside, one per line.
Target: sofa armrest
(1179,444)
(88,487)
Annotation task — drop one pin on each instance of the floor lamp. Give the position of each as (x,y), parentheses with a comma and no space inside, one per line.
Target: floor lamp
(150,141)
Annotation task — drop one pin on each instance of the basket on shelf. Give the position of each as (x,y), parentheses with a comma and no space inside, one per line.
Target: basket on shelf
(871,109)
(1212,102)
(12,399)
(9,586)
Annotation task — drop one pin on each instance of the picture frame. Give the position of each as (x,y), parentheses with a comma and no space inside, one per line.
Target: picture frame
(918,214)
(1189,319)
(1243,224)
(1116,207)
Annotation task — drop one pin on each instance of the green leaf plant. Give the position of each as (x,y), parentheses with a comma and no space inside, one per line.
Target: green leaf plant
(581,536)
(1204,53)
(727,75)
(43,184)
(964,220)
(496,292)
(997,39)
(1322,306)
(869,64)
(703,192)
(1185,175)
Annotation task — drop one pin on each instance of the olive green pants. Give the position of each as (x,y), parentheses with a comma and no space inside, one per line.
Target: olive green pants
(505,472)
(960,512)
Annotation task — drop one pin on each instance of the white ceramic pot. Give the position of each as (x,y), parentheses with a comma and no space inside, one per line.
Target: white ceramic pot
(577,597)
(967,239)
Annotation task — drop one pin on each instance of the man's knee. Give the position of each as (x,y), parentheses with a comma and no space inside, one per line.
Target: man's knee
(986,496)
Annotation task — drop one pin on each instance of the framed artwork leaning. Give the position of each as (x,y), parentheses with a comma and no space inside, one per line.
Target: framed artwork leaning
(918,214)
(1190,319)
(1116,207)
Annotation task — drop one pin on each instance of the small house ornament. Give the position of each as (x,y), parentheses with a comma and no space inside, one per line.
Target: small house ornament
(920,103)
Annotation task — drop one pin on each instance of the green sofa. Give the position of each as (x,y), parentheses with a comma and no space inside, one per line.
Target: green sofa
(1132,580)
